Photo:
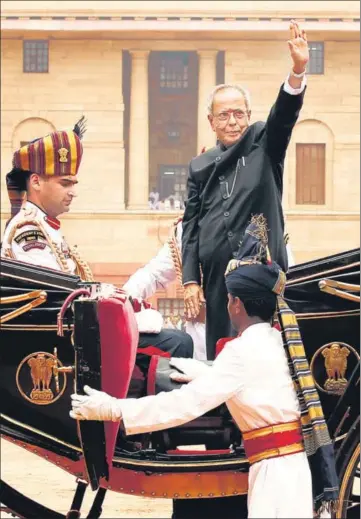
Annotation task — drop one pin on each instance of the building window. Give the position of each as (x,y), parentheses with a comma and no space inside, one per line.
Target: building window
(316,64)
(174,72)
(36,56)
(310,174)
(172,311)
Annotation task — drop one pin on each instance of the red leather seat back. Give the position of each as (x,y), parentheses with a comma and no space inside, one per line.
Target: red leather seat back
(119,339)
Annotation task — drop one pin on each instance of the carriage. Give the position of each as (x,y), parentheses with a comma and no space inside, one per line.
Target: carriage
(59,333)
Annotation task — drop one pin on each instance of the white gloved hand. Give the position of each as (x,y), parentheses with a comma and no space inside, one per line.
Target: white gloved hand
(95,405)
(190,368)
(149,321)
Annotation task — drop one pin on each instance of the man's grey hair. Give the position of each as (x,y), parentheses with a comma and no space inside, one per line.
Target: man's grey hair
(219,88)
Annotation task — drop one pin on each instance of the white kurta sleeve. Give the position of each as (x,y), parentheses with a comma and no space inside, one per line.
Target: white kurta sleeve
(153,413)
(157,274)
(31,246)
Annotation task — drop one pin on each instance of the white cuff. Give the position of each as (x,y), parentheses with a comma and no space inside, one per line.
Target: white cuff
(149,321)
(294,91)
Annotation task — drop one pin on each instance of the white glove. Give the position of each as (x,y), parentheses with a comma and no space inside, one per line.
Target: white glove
(190,368)
(95,405)
(149,321)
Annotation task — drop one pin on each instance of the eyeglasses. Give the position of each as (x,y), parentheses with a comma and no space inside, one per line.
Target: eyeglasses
(225,116)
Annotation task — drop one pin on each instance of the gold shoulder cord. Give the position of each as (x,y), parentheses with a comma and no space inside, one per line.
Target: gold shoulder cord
(174,250)
(8,250)
(83,269)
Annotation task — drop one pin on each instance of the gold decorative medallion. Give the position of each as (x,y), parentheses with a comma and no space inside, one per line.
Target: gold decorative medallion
(331,365)
(37,378)
(63,155)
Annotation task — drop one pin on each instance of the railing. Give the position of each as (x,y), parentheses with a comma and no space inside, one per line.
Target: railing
(339,289)
(38,298)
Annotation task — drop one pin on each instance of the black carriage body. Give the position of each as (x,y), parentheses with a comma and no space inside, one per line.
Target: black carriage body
(31,332)
(324,320)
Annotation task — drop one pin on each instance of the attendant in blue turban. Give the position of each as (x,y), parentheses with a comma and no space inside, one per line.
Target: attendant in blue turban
(263,376)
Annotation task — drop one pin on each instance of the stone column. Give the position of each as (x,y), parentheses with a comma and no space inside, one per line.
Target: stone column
(207,80)
(139,132)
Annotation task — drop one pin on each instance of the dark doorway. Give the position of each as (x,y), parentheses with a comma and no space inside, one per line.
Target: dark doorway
(173,98)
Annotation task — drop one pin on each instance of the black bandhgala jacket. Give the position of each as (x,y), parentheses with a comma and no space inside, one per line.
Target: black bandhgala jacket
(214,224)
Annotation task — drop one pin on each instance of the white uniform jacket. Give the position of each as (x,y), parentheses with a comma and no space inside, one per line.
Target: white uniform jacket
(33,237)
(251,375)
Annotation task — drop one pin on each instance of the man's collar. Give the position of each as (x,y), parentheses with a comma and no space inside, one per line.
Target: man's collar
(53,222)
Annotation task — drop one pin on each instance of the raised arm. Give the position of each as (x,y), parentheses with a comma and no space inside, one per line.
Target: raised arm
(285,111)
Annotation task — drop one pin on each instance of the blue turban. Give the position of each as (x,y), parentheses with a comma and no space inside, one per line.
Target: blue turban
(252,275)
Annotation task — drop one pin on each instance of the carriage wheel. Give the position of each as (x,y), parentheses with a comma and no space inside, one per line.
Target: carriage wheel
(22,507)
(349,506)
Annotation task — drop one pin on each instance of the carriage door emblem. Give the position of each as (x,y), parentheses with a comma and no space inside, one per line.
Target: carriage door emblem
(37,378)
(331,375)
(336,365)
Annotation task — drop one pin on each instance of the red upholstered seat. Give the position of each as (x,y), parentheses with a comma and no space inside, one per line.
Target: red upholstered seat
(119,339)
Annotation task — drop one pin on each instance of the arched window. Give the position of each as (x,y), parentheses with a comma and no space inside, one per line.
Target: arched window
(30,129)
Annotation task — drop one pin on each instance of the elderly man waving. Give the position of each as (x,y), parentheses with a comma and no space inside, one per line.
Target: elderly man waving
(241,176)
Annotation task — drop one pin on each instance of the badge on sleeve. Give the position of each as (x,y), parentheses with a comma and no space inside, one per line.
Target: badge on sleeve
(32,239)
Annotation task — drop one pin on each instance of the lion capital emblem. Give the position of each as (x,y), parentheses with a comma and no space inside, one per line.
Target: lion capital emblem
(37,379)
(336,366)
(63,155)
